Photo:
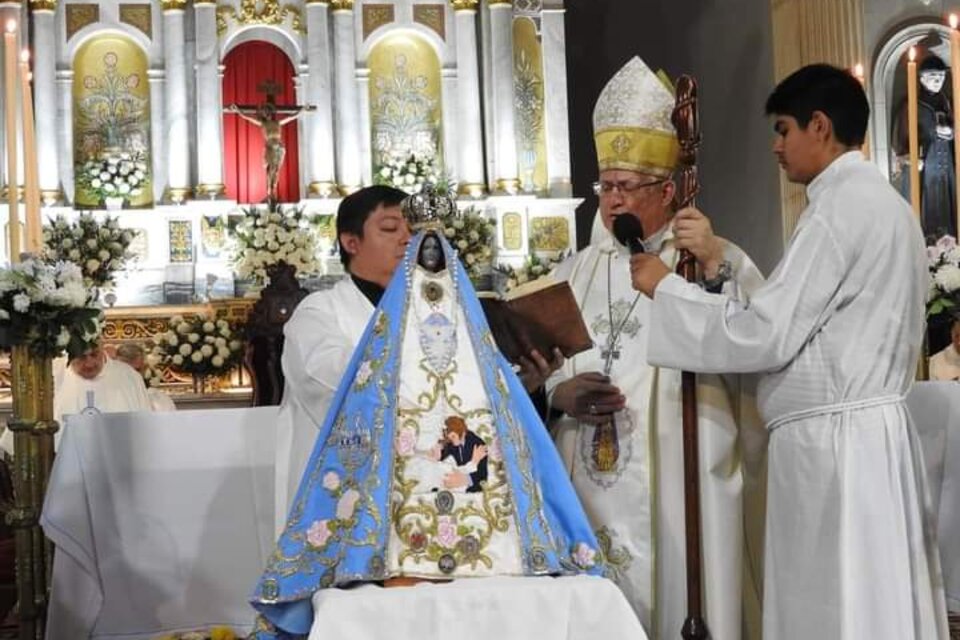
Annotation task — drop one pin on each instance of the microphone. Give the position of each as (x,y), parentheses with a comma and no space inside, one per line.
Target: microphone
(628,230)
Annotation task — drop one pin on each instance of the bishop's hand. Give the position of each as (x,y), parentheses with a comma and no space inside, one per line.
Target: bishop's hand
(535,369)
(646,272)
(588,397)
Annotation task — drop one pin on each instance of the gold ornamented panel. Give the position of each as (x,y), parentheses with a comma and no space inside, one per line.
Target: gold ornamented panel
(512,225)
(529,105)
(181,240)
(140,245)
(375,16)
(341,5)
(80,15)
(460,5)
(405,99)
(549,234)
(269,12)
(213,236)
(139,16)
(43,5)
(431,16)
(111,111)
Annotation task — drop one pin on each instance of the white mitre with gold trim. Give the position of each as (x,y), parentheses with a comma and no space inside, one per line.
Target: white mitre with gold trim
(631,122)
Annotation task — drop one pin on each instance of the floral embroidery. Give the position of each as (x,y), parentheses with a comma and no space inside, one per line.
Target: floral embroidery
(616,560)
(364,371)
(331,481)
(447,531)
(347,503)
(406,442)
(319,533)
(583,555)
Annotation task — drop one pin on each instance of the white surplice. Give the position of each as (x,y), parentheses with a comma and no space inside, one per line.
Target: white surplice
(319,340)
(945,365)
(637,508)
(836,331)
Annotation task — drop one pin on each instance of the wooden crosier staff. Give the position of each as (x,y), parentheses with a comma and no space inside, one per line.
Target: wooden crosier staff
(686,119)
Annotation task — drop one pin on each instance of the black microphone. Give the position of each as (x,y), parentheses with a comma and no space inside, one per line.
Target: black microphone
(628,230)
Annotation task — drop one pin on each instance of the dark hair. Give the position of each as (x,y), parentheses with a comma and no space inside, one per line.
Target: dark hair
(357,207)
(830,90)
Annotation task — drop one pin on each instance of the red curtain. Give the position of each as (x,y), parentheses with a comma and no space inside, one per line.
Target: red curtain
(247,66)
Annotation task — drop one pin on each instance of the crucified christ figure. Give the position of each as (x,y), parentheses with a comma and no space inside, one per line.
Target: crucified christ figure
(270,118)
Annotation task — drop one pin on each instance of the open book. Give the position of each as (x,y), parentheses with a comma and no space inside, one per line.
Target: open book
(541,314)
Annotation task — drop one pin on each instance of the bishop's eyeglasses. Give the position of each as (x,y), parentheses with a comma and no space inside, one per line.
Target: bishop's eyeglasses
(605,187)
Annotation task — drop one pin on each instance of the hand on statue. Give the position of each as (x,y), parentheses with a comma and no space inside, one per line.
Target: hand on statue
(588,397)
(455,480)
(479,453)
(535,370)
(694,233)
(646,272)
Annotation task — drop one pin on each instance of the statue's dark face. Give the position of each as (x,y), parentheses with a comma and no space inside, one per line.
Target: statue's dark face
(431,255)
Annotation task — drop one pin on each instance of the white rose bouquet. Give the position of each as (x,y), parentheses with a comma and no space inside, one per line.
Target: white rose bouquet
(48,308)
(409,173)
(198,346)
(943,260)
(99,248)
(269,236)
(471,233)
(533,267)
(117,175)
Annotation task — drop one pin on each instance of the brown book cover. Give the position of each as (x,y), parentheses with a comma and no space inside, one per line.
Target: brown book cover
(541,316)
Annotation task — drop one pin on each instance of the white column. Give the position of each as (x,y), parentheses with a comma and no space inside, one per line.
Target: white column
(45,92)
(177,128)
(65,132)
(347,104)
(364,125)
(318,125)
(501,41)
(158,143)
(469,123)
(209,101)
(452,139)
(557,120)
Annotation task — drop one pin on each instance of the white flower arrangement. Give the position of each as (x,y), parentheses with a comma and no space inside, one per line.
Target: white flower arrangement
(533,267)
(266,237)
(120,175)
(471,233)
(943,260)
(100,248)
(409,173)
(48,308)
(198,346)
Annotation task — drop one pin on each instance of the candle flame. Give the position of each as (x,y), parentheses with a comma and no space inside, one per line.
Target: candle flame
(954,21)
(913,54)
(11,26)
(25,56)
(858,71)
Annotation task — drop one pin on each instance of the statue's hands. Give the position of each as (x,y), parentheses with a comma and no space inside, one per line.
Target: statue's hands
(694,233)
(455,480)
(479,453)
(588,397)
(535,369)
(944,132)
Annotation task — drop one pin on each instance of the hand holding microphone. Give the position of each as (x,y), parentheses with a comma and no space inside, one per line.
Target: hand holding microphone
(646,270)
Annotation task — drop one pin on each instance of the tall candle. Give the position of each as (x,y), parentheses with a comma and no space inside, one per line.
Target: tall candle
(31,188)
(955,76)
(913,130)
(10,104)
(859,75)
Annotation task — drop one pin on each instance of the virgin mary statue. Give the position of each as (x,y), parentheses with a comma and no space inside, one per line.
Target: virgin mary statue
(431,462)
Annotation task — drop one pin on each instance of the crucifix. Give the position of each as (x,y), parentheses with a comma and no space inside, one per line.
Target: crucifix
(270,117)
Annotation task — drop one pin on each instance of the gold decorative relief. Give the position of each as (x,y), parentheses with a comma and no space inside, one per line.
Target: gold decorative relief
(80,15)
(139,16)
(375,16)
(260,12)
(461,5)
(512,232)
(173,5)
(43,5)
(431,16)
(549,234)
(494,3)
(341,5)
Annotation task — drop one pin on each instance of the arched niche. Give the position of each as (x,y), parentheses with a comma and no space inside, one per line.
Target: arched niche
(405,98)
(111,111)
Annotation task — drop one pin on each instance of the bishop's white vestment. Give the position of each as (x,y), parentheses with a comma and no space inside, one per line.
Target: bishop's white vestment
(637,506)
(319,340)
(836,330)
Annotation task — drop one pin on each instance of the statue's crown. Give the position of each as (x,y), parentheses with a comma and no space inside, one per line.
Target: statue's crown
(428,208)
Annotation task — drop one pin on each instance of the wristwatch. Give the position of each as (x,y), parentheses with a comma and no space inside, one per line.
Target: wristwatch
(724,273)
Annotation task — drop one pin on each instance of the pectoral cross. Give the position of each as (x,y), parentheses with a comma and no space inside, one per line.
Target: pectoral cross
(609,353)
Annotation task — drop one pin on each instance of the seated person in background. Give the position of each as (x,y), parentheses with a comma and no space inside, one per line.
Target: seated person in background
(134,355)
(368,508)
(94,381)
(945,365)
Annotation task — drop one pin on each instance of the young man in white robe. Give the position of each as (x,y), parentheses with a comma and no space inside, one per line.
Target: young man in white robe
(836,333)
(945,364)
(629,474)
(326,327)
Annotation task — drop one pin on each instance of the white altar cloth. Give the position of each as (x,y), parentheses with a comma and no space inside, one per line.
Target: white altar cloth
(522,608)
(162,521)
(935,408)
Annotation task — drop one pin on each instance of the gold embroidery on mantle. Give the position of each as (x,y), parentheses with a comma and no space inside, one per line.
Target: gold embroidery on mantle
(260,12)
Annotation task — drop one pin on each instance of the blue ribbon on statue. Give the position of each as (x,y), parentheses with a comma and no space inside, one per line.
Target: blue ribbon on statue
(339,524)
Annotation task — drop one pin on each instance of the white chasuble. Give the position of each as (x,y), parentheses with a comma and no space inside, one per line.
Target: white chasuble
(636,504)
(448,491)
